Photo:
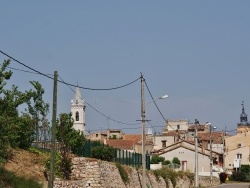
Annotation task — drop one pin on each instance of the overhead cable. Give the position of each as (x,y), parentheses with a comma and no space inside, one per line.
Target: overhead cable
(87,88)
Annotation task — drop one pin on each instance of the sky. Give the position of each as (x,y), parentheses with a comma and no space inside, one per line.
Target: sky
(196,52)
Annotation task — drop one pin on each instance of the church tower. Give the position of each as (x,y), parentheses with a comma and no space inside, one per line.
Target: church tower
(243,117)
(78,111)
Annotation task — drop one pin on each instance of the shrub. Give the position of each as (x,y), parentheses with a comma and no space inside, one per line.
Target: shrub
(166,162)
(238,176)
(105,153)
(156,159)
(176,161)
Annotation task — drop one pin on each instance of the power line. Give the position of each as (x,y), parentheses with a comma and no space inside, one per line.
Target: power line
(87,88)
(100,111)
(165,120)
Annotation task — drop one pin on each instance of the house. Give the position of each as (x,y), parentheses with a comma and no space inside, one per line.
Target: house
(237,147)
(185,151)
(108,134)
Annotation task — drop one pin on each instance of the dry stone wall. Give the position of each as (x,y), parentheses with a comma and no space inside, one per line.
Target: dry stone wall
(93,173)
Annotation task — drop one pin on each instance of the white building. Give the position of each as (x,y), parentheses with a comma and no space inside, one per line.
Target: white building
(78,111)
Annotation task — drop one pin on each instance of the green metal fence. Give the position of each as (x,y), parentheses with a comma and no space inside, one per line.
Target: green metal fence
(122,156)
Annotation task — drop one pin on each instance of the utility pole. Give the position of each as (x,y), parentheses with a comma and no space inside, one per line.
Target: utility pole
(53,136)
(143,133)
(211,158)
(196,155)
(224,149)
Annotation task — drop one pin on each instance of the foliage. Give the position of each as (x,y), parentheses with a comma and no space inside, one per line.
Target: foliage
(105,153)
(58,166)
(156,159)
(166,174)
(123,173)
(70,141)
(176,161)
(238,176)
(223,177)
(69,138)
(166,162)
(37,107)
(242,175)
(15,130)
(8,179)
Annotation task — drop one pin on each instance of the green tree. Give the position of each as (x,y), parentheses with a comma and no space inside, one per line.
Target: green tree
(176,161)
(70,140)
(15,130)
(38,108)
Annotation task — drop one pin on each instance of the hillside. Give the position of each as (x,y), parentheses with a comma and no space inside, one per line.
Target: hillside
(27,164)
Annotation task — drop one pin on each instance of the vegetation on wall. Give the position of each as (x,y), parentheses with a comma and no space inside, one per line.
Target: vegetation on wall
(123,173)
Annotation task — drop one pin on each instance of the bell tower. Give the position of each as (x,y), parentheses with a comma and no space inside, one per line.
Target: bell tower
(78,111)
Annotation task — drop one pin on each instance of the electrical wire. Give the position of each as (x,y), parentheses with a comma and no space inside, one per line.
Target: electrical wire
(100,111)
(87,88)
(165,120)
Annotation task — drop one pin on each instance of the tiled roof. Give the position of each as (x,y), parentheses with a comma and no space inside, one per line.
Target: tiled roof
(215,136)
(121,144)
(134,137)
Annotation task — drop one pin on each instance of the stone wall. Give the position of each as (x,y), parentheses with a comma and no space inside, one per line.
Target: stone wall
(93,173)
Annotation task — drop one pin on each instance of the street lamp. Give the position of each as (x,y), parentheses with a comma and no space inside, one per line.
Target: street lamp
(162,97)
(211,158)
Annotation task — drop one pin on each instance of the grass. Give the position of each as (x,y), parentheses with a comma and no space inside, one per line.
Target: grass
(10,180)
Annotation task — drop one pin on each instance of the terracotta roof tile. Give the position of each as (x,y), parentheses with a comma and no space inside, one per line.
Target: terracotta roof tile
(121,144)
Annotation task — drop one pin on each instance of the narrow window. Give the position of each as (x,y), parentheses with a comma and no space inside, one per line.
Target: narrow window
(163,143)
(77,116)
(178,127)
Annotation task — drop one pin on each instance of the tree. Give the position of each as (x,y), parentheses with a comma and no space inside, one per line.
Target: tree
(70,140)
(38,108)
(176,161)
(15,130)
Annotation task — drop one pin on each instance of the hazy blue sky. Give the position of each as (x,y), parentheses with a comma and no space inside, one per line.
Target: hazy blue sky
(197,52)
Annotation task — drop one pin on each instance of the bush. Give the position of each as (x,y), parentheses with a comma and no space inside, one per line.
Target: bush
(156,159)
(238,176)
(176,161)
(223,177)
(166,162)
(105,153)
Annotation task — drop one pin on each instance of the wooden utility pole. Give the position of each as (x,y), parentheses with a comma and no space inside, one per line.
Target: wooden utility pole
(196,155)
(53,132)
(143,133)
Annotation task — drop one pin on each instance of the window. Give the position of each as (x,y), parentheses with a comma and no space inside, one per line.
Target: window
(164,143)
(238,156)
(77,116)
(96,135)
(178,127)
(239,145)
